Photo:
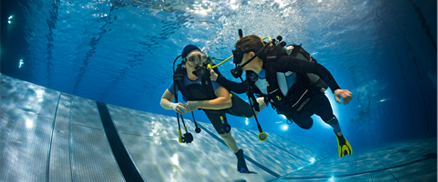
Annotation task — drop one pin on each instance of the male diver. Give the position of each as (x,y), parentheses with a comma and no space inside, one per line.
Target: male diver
(200,92)
(286,82)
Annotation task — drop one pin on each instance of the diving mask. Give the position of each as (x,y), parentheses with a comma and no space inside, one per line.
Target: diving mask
(196,57)
(237,55)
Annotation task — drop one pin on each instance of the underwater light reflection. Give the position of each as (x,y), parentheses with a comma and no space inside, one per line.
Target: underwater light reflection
(201,9)
(233,6)
(40,95)
(10,19)
(312,160)
(282,3)
(332,179)
(29,124)
(174,159)
(284,127)
(21,63)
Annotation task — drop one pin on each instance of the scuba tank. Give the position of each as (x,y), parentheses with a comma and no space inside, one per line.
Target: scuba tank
(298,52)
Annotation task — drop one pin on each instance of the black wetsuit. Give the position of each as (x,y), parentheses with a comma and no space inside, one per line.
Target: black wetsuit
(240,108)
(302,100)
(217,117)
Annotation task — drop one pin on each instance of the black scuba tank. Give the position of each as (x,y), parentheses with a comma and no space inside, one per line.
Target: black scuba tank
(297,51)
(309,82)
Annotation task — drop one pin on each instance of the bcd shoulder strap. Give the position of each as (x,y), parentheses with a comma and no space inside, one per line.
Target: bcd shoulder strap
(178,81)
(274,93)
(206,81)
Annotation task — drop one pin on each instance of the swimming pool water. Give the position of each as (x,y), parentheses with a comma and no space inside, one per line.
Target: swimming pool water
(121,53)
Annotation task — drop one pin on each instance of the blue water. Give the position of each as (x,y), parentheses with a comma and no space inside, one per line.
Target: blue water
(121,53)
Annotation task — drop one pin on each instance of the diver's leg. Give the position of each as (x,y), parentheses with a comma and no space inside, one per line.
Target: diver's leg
(242,108)
(229,140)
(302,118)
(219,121)
(325,111)
(241,164)
(262,104)
(303,121)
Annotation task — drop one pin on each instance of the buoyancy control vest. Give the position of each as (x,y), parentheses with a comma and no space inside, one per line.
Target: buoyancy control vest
(298,52)
(304,83)
(203,91)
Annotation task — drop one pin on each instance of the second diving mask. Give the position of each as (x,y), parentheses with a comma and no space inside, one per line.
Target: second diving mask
(237,59)
(238,56)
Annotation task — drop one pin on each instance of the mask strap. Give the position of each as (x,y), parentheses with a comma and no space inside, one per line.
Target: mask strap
(252,58)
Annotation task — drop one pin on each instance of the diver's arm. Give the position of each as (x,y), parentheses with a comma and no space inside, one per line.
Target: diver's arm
(302,66)
(346,95)
(166,103)
(223,101)
(238,88)
(230,85)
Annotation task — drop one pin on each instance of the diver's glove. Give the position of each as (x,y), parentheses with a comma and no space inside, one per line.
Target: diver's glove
(241,164)
(344,147)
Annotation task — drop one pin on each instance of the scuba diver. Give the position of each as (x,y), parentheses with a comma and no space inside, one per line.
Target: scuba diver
(365,106)
(288,78)
(201,93)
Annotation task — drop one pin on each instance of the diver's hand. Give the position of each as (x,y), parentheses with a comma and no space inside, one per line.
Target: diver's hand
(213,75)
(179,108)
(191,105)
(345,94)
